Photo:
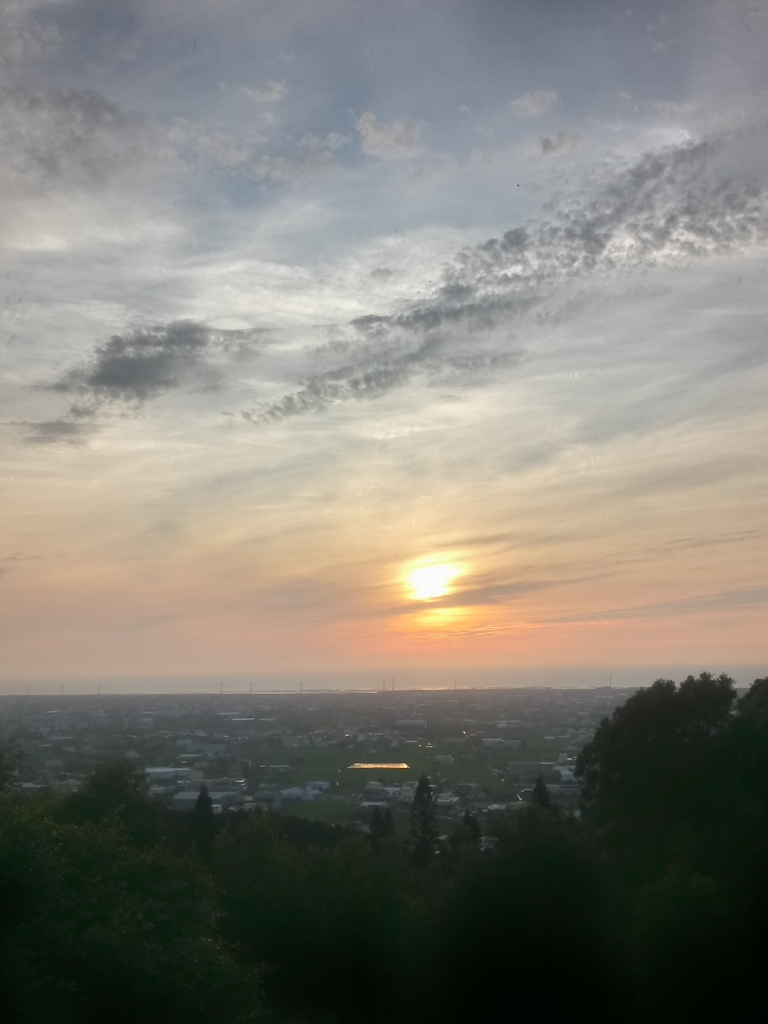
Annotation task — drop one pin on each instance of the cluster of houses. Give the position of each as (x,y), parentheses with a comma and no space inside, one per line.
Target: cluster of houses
(256,750)
(377,794)
(180,787)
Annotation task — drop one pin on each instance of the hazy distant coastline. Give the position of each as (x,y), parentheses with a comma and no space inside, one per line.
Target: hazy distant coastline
(294,682)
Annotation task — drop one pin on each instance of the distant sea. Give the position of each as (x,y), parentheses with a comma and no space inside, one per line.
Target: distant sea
(620,676)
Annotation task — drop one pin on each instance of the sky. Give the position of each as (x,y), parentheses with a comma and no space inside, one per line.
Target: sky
(416,336)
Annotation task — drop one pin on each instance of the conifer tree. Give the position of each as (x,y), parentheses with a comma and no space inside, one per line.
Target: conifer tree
(541,795)
(204,824)
(382,824)
(472,825)
(423,827)
(377,824)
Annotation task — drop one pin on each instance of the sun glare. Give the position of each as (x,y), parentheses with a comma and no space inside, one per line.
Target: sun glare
(429,582)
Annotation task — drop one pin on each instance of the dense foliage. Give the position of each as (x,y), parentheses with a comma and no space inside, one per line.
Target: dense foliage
(650,905)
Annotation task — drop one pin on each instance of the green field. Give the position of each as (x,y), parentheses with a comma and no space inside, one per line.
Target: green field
(330,764)
(333,812)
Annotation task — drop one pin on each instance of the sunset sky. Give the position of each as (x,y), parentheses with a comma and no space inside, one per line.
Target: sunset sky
(382,336)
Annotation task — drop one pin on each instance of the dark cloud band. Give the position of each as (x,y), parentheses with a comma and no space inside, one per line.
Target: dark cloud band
(669,208)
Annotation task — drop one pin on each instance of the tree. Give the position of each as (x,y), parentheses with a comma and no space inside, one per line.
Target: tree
(423,826)
(94,929)
(9,763)
(540,795)
(656,760)
(377,824)
(463,844)
(388,823)
(472,825)
(203,809)
(754,703)
(119,790)
(683,945)
(110,787)
(536,886)
(204,824)
(331,926)
(382,823)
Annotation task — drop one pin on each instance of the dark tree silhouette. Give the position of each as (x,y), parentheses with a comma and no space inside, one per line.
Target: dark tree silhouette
(423,827)
(9,763)
(118,790)
(540,795)
(94,929)
(204,824)
(754,703)
(472,825)
(377,824)
(203,810)
(382,824)
(654,762)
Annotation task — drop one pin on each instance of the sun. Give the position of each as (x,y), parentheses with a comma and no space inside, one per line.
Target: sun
(429,582)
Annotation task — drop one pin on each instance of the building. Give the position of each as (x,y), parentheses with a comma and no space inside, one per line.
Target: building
(447,802)
(185,800)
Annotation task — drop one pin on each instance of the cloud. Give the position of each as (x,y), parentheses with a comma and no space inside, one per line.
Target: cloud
(272,92)
(694,605)
(438,169)
(23,38)
(671,207)
(397,141)
(372,376)
(74,165)
(560,142)
(533,104)
(56,432)
(145,363)
(332,141)
(311,159)
(71,140)
(667,109)
(307,166)
(220,147)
